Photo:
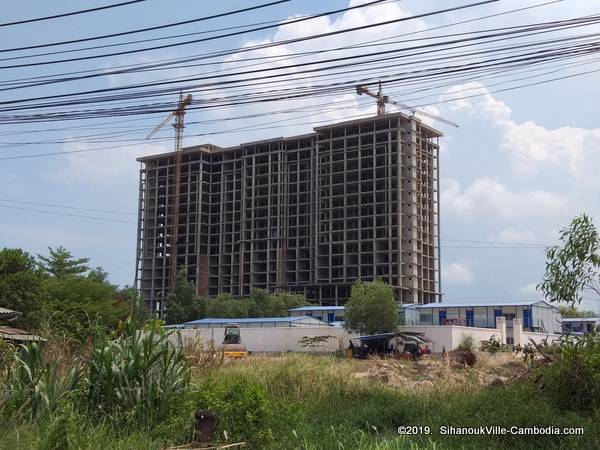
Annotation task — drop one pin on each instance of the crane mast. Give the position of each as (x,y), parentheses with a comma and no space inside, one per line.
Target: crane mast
(179,125)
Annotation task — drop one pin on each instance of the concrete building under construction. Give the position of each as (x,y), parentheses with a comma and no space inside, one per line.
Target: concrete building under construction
(308,214)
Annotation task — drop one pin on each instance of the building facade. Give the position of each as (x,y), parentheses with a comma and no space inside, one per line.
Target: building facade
(534,316)
(308,214)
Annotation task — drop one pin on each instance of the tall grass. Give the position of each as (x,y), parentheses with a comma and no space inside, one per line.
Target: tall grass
(138,379)
(33,387)
(317,403)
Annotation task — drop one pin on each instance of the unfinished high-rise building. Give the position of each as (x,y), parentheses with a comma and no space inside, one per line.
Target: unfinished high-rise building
(356,200)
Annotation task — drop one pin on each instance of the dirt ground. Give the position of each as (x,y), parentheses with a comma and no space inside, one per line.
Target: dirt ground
(432,371)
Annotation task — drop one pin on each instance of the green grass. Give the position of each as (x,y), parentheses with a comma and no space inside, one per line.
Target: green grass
(315,403)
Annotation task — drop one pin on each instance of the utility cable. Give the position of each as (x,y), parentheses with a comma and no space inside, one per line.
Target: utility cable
(73,13)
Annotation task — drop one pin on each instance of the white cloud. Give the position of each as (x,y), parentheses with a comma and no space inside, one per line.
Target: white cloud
(514,236)
(489,196)
(456,273)
(528,143)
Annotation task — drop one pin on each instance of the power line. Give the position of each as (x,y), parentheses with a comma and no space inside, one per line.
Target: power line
(174,36)
(73,13)
(237,33)
(54,205)
(229,82)
(16,157)
(142,30)
(105,219)
(160,64)
(496,242)
(288,109)
(510,246)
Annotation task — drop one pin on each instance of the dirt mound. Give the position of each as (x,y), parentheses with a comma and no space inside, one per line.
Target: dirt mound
(430,372)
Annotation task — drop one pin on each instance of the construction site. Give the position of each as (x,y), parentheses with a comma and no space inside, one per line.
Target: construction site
(310,214)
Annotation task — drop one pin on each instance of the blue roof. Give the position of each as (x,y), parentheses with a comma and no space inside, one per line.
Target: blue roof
(245,320)
(478,304)
(318,308)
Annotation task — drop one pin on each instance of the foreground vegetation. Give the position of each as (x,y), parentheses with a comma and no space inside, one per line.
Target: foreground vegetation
(141,394)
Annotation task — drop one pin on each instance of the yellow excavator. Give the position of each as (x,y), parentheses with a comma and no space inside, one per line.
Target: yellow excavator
(232,342)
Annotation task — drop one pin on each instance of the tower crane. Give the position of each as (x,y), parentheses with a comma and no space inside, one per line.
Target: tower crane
(383,99)
(178,124)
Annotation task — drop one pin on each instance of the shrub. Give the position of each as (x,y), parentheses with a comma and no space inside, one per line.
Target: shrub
(572,377)
(467,344)
(493,345)
(464,357)
(242,408)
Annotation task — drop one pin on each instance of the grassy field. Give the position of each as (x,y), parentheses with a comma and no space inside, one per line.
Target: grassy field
(321,403)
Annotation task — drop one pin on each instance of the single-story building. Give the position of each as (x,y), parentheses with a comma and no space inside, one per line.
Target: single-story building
(536,316)
(330,314)
(580,325)
(257,322)
(17,336)
(8,314)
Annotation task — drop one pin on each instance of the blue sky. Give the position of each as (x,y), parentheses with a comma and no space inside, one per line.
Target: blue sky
(521,165)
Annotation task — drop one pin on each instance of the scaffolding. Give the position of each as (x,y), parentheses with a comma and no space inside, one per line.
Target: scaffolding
(309,214)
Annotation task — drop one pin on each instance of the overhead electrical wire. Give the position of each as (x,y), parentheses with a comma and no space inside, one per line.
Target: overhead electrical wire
(449,83)
(162,38)
(54,205)
(154,28)
(223,105)
(489,63)
(131,68)
(153,84)
(267,126)
(72,13)
(56,213)
(237,33)
(165,63)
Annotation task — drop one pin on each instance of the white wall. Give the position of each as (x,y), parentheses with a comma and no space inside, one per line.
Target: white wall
(451,336)
(537,337)
(273,339)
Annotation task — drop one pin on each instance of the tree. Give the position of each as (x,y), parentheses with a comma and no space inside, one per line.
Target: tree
(98,274)
(572,311)
(21,286)
(182,304)
(60,263)
(371,308)
(138,312)
(263,304)
(573,267)
(76,303)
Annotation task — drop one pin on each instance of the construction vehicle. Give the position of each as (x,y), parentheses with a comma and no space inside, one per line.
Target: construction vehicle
(232,342)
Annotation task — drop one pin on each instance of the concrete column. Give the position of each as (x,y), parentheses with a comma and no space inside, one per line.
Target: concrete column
(501,327)
(518,331)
